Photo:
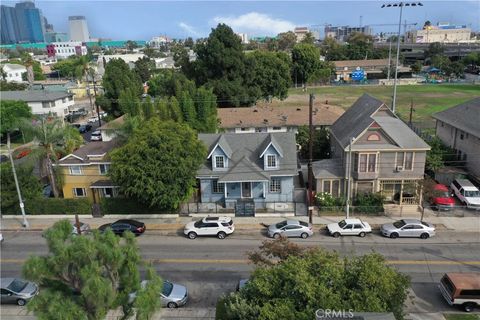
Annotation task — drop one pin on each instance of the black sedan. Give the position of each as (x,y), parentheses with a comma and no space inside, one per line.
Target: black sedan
(120,226)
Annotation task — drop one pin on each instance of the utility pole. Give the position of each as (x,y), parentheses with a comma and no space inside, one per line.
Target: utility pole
(310,156)
(95,95)
(397,58)
(411,113)
(389,58)
(349,176)
(20,200)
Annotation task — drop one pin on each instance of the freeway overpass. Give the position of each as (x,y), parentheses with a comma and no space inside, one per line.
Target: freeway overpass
(415,51)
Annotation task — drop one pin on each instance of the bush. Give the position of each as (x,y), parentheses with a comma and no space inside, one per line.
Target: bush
(42,206)
(326,202)
(369,203)
(127,206)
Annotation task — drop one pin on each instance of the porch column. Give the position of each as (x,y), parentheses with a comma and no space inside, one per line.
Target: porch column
(401,193)
(264,189)
(93,194)
(225,190)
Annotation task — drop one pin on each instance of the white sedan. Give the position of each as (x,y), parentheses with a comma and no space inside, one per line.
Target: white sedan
(349,227)
(92,119)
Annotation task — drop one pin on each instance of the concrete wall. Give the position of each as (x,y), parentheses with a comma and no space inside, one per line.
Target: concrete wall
(466,145)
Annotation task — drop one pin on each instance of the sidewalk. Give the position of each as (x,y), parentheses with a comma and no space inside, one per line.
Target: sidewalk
(174,223)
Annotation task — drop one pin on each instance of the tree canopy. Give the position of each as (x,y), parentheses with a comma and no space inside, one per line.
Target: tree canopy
(157,165)
(291,282)
(12,113)
(144,67)
(84,277)
(117,78)
(305,61)
(29,184)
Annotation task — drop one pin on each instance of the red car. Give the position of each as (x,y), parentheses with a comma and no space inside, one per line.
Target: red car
(442,198)
(23,153)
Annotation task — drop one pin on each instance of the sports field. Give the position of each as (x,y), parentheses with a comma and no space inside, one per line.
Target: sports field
(427,99)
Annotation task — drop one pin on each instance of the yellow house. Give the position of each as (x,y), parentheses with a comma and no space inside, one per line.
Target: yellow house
(85,172)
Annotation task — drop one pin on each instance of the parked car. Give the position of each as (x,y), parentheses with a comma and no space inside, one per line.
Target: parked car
(103,114)
(467,193)
(290,228)
(84,228)
(172,296)
(121,226)
(210,226)
(349,227)
(241,283)
(461,289)
(408,228)
(96,136)
(76,125)
(84,128)
(441,198)
(17,291)
(92,119)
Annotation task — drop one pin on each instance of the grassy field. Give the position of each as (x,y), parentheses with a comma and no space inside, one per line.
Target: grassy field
(427,99)
(460,316)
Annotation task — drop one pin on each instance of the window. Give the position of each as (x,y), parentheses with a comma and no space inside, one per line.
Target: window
(275,186)
(75,170)
(332,187)
(108,193)
(45,104)
(218,187)
(277,128)
(367,162)
(372,162)
(52,103)
(103,168)
(271,161)
(408,165)
(363,163)
(79,192)
(373,137)
(64,100)
(219,162)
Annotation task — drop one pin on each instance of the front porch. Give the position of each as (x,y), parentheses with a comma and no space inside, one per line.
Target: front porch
(401,192)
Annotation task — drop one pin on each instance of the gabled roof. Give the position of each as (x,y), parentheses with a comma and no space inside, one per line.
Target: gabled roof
(363,115)
(82,155)
(245,149)
(35,95)
(356,119)
(223,144)
(271,141)
(465,116)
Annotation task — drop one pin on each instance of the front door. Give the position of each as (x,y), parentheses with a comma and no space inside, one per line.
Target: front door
(246,189)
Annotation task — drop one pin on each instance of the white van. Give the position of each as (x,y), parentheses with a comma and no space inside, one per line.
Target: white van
(467,193)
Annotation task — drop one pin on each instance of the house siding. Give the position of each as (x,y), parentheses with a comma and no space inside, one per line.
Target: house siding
(469,145)
(89,175)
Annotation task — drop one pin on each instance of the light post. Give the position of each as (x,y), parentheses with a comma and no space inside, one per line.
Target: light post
(399,5)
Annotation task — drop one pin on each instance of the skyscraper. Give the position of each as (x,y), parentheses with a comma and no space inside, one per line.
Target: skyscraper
(78,29)
(22,23)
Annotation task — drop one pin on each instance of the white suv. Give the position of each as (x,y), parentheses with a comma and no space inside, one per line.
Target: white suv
(210,226)
(467,193)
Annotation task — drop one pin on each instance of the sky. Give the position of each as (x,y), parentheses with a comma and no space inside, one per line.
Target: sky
(140,20)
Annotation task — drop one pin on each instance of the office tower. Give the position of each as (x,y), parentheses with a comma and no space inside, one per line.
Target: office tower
(78,29)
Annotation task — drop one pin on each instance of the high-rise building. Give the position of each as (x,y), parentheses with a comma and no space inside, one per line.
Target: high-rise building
(22,23)
(342,33)
(78,29)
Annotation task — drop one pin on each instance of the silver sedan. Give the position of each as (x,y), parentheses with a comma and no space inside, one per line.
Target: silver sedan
(408,228)
(172,296)
(290,228)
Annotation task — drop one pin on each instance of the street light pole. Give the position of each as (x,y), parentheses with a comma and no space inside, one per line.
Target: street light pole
(349,176)
(17,185)
(401,5)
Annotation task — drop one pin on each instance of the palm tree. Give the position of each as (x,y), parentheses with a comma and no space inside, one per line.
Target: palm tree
(52,137)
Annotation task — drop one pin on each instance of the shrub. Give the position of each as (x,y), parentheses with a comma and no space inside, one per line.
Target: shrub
(42,206)
(127,206)
(326,202)
(369,203)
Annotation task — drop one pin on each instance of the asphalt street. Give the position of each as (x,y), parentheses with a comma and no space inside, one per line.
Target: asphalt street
(210,267)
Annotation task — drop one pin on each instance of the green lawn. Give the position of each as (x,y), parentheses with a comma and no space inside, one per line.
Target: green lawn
(427,99)
(462,316)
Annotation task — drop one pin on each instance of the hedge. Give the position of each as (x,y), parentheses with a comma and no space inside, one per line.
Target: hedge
(42,206)
(128,206)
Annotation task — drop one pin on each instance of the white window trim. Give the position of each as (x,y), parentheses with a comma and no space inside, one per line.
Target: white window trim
(267,167)
(270,186)
(100,170)
(75,174)
(368,157)
(404,158)
(76,195)
(215,161)
(330,181)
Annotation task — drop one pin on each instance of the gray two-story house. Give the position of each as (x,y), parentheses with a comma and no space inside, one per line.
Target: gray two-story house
(459,128)
(387,156)
(253,168)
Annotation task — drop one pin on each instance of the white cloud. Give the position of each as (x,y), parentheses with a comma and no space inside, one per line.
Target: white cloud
(256,24)
(189,29)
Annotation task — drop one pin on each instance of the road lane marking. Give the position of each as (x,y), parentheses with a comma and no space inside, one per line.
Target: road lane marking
(244,261)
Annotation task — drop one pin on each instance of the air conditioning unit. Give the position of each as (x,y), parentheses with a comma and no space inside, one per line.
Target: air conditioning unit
(399,168)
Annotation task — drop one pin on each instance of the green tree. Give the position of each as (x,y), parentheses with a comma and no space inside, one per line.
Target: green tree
(360,46)
(221,65)
(416,67)
(294,286)
(84,277)
(271,74)
(129,102)
(117,78)
(434,49)
(472,60)
(206,110)
(286,40)
(157,165)
(438,155)
(144,67)
(332,50)
(29,184)
(12,86)
(130,45)
(305,62)
(175,113)
(321,143)
(309,38)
